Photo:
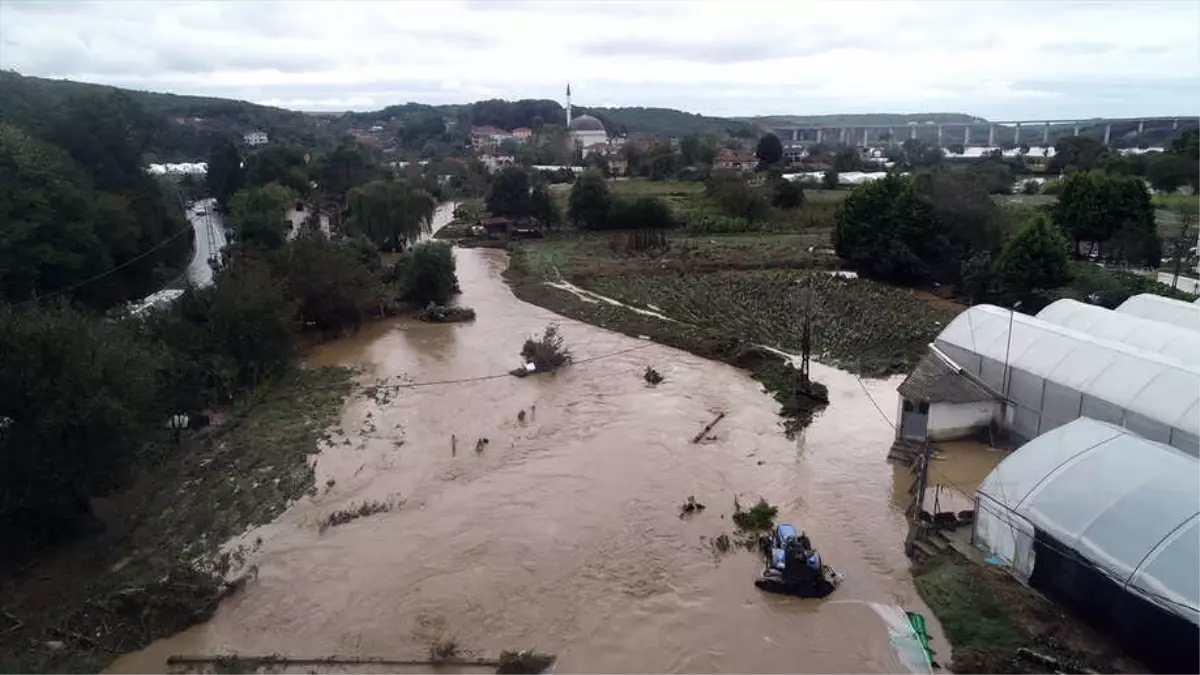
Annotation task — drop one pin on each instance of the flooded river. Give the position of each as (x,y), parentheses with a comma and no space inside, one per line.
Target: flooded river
(564,533)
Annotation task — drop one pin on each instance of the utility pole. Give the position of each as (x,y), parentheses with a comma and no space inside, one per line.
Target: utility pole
(914,521)
(1004,375)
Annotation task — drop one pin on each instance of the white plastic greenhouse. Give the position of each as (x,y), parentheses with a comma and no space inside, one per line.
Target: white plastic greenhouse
(1094,492)
(1057,374)
(1163,310)
(1147,335)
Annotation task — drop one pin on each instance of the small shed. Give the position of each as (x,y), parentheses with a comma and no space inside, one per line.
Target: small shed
(941,402)
(497,225)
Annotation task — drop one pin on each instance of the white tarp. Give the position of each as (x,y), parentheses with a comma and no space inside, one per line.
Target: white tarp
(1130,385)
(1165,340)
(1164,310)
(1128,505)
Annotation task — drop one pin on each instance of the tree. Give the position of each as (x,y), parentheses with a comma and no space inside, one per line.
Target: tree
(736,197)
(225,176)
(689,149)
(427,274)
(1035,258)
(1094,206)
(829,181)
(769,150)
(509,196)
(917,154)
(391,213)
(329,281)
(1076,153)
(79,396)
(542,207)
(1169,171)
(589,203)
(786,194)
(887,230)
(278,164)
(642,213)
(259,216)
(344,169)
(1188,145)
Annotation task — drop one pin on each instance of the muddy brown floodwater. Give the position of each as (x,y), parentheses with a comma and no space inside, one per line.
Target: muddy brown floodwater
(564,534)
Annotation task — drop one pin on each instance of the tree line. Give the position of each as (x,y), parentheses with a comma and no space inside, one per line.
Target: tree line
(86,389)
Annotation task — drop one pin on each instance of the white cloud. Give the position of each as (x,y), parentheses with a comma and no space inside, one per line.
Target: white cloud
(994,59)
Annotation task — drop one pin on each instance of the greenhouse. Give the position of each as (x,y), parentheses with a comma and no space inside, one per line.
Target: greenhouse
(1163,310)
(1146,335)
(1057,374)
(1107,522)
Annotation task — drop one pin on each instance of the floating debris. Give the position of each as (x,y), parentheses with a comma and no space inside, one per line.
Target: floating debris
(689,507)
(435,313)
(652,376)
(708,427)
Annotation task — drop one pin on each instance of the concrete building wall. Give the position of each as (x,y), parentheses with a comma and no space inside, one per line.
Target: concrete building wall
(952,421)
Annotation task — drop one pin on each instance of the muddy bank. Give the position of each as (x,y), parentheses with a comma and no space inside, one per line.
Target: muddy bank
(563,534)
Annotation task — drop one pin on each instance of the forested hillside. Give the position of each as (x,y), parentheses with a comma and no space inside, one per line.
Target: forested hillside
(76,204)
(179,128)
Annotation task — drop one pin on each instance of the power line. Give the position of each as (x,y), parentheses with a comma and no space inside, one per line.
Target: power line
(109,272)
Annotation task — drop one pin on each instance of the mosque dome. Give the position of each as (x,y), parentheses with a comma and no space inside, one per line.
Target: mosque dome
(586,123)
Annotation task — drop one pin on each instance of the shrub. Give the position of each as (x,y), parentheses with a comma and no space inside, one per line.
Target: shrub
(717,224)
(427,274)
(546,353)
(1035,258)
(641,213)
(786,194)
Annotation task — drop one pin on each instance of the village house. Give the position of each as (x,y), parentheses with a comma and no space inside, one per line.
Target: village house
(617,164)
(494,161)
(522,134)
(741,160)
(255,138)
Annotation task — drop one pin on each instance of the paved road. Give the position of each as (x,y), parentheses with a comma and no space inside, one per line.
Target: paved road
(1186,284)
(209,237)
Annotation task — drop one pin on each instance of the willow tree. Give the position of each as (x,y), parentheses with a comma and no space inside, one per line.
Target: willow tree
(391,213)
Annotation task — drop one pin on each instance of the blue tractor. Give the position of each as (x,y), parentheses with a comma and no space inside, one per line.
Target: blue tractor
(794,567)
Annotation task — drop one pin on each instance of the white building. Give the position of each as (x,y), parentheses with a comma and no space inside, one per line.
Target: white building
(1106,522)
(1053,376)
(255,138)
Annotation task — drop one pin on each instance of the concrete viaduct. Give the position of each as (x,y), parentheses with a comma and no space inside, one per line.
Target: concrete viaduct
(953,132)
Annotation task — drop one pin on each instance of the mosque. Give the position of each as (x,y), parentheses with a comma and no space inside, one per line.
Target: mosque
(585,131)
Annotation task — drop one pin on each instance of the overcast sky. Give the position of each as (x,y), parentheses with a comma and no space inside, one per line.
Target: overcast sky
(1026,59)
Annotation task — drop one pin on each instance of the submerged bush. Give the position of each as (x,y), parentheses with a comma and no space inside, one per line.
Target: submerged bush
(546,353)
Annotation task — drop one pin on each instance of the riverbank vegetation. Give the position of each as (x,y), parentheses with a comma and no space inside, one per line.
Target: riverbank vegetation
(996,625)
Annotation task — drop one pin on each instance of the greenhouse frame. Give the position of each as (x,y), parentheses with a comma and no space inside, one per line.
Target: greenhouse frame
(1055,375)
(1109,523)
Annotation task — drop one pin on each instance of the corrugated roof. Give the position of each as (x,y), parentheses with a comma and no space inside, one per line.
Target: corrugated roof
(1164,310)
(1127,504)
(935,381)
(1160,389)
(1166,340)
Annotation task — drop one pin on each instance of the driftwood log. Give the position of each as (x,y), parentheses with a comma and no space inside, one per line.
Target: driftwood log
(708,428)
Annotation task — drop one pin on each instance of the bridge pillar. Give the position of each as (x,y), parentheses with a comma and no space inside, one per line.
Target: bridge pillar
(966,136)
(819,130)
(939,135)
(1174,125)
(842,136)
(1046,135)
(1017,134)
(912,133)
(891,136)
(866,137)
(1076,129)
(992,136)
(1107,133)
(1141,128)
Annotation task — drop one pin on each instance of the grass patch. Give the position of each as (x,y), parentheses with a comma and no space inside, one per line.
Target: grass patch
(137,581)
(352,513)
(524,661)
(968,609)
(758,518)
(1113,286)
